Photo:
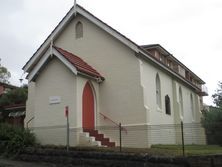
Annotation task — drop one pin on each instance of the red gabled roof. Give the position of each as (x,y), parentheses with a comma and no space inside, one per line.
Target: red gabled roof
(79,63)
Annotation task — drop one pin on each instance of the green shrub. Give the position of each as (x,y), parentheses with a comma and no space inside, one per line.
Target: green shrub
(14,139)
(212,122)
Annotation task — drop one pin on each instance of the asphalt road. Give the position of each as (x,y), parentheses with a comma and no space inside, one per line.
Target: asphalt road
(12,163)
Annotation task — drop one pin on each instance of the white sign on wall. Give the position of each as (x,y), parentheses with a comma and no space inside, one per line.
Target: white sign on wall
(54,99)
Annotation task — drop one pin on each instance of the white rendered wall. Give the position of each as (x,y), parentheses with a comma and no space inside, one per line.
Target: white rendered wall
(55,80)
(50,121)
(30,106)
(169,133)
(186,92)
(156,115)
(120,94)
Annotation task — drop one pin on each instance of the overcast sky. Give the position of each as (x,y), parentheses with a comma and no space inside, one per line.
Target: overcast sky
(189,29)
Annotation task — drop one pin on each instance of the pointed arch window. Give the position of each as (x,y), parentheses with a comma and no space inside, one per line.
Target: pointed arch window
(181,102)
(192,106)
(79,30)
(167,105)
(158,91)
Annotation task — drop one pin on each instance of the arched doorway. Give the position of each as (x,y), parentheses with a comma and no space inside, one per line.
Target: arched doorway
(88,107)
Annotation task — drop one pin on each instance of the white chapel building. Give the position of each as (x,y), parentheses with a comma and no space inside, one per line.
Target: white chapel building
(105,79)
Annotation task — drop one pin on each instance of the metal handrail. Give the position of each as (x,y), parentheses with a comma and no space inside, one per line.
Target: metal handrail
(113,122)
(27,123)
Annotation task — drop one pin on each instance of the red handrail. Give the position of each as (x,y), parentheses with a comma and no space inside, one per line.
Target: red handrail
(105,117)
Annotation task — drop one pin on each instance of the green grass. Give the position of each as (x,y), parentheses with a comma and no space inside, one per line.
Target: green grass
(160,150)
(189,149)
(168,150)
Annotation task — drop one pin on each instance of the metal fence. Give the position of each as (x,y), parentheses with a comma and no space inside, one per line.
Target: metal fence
(138,136)
(165,134)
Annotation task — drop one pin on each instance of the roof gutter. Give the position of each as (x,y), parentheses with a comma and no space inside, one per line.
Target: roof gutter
(97,79)
(158,46)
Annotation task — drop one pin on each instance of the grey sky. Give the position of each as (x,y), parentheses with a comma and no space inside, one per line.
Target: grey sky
(189,29)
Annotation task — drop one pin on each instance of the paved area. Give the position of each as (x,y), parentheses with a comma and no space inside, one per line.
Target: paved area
(11,163)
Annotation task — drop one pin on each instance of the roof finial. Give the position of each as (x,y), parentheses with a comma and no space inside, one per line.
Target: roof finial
(51,45)
(75,6)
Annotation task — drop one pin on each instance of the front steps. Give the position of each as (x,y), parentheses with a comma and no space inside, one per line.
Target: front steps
(99,138)
(86,140)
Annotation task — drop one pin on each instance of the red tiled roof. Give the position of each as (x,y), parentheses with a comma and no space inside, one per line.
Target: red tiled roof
(79,63)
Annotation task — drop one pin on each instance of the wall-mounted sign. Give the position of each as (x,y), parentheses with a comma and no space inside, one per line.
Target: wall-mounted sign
(54,99)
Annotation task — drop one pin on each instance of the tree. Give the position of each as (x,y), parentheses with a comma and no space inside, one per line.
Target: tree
(4,74)
(14,96)
(218,96)
(212,122)
(212,119)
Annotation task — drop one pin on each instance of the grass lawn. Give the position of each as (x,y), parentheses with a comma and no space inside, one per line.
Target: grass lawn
(163,150)
(189,150)
(160,150)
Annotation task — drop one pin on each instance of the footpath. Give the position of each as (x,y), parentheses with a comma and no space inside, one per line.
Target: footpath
(11,163)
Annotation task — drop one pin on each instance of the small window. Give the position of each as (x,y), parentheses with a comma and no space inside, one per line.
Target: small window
(167,105)
(79,30)
(158,91)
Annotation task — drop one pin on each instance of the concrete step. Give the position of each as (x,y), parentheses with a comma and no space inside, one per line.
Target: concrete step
(100,137)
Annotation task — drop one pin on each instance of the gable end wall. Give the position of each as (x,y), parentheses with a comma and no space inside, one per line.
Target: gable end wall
(120,94)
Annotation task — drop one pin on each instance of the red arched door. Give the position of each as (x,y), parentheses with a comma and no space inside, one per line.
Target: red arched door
(88,107)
